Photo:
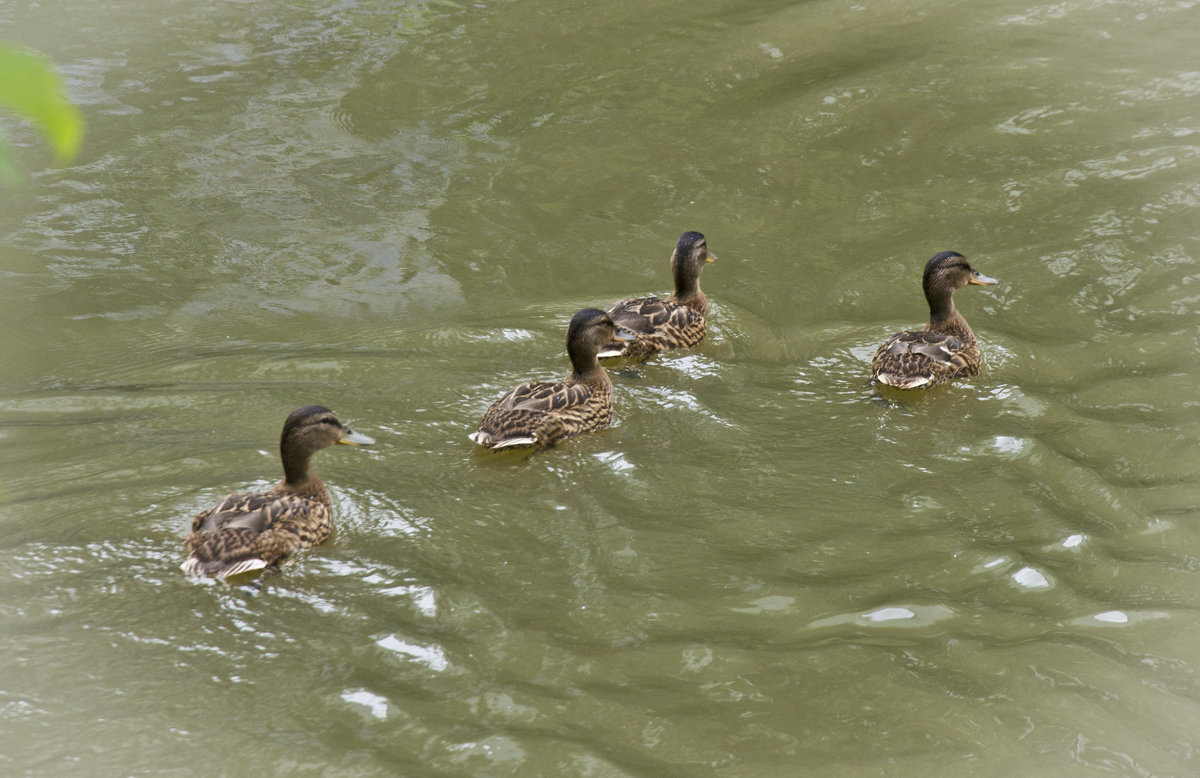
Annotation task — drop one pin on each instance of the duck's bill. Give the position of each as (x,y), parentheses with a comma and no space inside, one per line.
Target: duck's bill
(352,438)
(980,279)
(711,258)
(625,335)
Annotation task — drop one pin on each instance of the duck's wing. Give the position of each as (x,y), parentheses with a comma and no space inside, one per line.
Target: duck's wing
(243,509)
(933,345)
(660,324)
(542,396)
(913,359)
(641,315)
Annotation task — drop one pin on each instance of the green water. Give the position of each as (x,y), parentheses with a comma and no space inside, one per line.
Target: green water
(764,568)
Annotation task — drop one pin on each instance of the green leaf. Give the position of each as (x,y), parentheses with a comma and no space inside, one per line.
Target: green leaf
(30,86)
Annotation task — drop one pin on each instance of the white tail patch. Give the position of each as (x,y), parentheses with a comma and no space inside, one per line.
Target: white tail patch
(487,441)
(514,443)
(245,566)
(194,566)
(903,382)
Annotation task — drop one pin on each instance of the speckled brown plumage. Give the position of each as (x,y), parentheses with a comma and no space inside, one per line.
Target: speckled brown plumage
(540,413)
(945,348)
(674,321)
(249,531)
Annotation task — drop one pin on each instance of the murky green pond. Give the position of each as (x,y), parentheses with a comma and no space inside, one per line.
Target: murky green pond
(764,568)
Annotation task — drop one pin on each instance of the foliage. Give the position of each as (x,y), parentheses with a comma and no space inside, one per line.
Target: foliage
(30,87)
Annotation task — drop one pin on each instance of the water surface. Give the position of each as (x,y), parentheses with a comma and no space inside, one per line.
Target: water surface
(764,567)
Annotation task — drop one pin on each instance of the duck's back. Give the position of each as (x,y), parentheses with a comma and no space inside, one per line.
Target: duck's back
(248,531)
(542,413)
(913,359)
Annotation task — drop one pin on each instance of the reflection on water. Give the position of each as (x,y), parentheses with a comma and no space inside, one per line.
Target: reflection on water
(765,562)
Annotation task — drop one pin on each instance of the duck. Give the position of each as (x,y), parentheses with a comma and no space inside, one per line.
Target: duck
(671,322)
(538,413)
(250,531)
(945,348)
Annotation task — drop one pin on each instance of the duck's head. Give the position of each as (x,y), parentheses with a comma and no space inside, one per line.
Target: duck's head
(589,331)
(945,273)
(307,431)
(688,260)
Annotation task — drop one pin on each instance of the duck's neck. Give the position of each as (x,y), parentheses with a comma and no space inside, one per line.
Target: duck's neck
(297,469)
(687,286)
(946,320)
(586,369)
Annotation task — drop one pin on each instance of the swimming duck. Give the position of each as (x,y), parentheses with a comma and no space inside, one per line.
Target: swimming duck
(674,321)
(943,349)
(541,414)
(248,531)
